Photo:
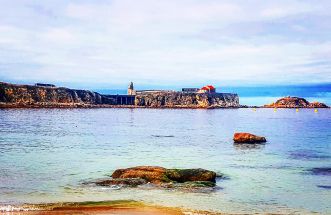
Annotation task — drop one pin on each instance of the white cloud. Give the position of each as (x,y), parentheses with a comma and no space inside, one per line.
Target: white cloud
(166,41)
(58,35)
(283,10)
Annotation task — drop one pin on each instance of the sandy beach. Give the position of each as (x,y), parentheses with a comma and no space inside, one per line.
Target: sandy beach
(100,208)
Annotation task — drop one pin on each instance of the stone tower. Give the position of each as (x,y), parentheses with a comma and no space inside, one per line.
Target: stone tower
(131,90)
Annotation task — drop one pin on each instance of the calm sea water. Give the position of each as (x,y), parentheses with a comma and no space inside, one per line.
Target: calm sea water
(46,155)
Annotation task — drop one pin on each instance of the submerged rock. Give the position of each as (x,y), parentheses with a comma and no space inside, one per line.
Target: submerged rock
(295,102)
(162,177)
(321,171)
(131,182)
(308,155)
(197,184)
(324,187)
(248,138)
(191,186)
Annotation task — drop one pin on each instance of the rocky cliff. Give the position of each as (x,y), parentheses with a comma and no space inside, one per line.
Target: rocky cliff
(12,95)
(187,100)
(27,95)
(295,102)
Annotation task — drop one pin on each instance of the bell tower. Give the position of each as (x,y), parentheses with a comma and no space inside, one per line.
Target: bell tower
(131,90)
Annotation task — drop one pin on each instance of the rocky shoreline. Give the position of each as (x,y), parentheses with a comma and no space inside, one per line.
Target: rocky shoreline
(28,96)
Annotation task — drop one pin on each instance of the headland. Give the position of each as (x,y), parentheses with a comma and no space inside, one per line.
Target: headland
(50,96)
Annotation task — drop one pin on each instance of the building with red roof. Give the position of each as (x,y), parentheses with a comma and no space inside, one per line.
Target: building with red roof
(207,89)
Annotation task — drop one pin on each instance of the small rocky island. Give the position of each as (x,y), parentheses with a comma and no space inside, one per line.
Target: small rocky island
(295,102)
(48,95)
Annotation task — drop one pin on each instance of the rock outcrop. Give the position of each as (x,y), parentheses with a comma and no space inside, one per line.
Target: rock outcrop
(153,174)
(159,176)
(295,102)
(187,100)
(184,175)
(30,96)
(248,138)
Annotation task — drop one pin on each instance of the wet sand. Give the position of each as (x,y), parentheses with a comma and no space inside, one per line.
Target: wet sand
(104,210)
(101,208)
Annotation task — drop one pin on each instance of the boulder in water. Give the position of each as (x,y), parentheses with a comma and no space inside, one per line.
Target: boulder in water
(167,178)
(130,182)
(153,174)
(185,175)
(248,138)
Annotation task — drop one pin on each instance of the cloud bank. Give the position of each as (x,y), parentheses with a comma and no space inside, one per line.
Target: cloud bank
(166,42)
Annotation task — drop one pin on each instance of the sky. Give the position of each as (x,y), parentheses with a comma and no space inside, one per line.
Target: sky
(107,44)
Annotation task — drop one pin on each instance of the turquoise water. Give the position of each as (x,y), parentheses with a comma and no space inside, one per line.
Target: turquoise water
(47,154)
(257,95)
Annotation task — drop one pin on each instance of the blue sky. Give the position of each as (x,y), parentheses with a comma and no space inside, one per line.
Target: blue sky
(106,44)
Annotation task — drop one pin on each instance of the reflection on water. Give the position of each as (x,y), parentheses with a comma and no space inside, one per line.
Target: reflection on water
(248,146)
(47,154)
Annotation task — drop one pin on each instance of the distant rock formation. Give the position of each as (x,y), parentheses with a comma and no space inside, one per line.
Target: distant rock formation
(187,100)
(248,138)
(13,96)
(295,102)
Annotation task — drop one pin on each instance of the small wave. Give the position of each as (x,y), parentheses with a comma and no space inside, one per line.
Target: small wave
(67,205)
(163,136)
(112,187)
(12,208)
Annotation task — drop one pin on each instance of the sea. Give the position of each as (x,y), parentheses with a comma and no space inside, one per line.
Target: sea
(52,155)
(256,95)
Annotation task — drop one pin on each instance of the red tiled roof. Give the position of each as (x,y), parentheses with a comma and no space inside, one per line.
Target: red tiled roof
(208,87)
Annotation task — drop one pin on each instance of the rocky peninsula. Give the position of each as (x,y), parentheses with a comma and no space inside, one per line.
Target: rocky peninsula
(44,96)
